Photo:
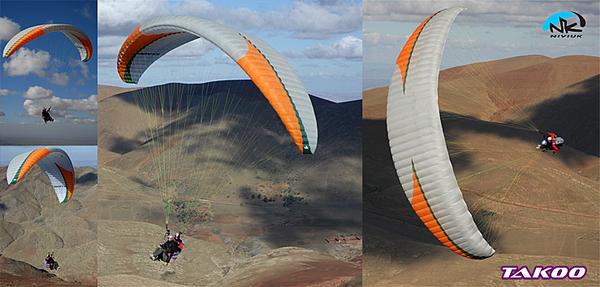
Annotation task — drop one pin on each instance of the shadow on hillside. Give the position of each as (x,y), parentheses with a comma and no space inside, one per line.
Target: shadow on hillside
(575,116)
(249,118)
(388,218)
(255,133)
(87,178)
(334,206)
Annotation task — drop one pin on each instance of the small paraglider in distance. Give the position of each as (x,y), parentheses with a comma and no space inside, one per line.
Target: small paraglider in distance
(55,162)
(50,263)
(79,39)
(551,141)
(170,249)
(46,115)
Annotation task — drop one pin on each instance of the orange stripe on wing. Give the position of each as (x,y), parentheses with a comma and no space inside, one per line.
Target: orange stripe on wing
(69,177)
(135,42)
(264,77)
(423,210)
(403,60)
(39,31)
(31,160)
(88,46)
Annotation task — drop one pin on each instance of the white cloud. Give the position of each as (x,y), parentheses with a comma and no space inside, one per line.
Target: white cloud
(25,62)
(4,92)
(311,19)
(517,13)
(116,13)
(374,39)
(60,106)
(61,79)
(83,68)
(8,28)
(36,98)
(319,20)
(349,47)
(37,92)
(109,46)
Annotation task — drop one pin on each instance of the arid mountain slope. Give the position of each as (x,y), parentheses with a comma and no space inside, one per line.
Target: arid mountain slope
(535,208)
(242,190)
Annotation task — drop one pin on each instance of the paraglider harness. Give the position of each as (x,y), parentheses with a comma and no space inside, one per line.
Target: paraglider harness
(50,263)
(46,115)
(168,250)
(547,144)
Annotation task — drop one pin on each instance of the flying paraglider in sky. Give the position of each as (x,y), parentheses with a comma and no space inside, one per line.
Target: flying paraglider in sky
(53,161)
(269,70)
(46,115)
(417,140)
(77,37)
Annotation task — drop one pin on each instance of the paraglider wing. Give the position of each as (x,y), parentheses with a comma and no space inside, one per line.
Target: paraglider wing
(78,38)
(269,71)
(417,141)
(54,162)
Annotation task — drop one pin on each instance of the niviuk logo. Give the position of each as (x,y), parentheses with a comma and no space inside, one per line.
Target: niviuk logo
(565,25)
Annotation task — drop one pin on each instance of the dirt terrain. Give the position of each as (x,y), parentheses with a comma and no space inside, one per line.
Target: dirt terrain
(254,212)
(34,223)
(534,208)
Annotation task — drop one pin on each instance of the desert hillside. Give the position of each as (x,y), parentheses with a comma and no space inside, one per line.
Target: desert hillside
(36,223)
(534,208)
(247,201)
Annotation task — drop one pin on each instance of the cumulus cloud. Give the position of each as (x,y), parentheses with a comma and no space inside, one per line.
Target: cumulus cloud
(108,46)
(83,68)
(321,19)
(25,62)
(519,12)
(8,28)
(36,98)
(116,13)
(37,92)
(4,92)
(305,19)
(61,79)
(375,39)
(349,47)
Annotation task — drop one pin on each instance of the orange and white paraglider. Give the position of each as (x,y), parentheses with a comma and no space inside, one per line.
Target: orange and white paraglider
(53,161)
(78,38)
(269,70)
(417,140)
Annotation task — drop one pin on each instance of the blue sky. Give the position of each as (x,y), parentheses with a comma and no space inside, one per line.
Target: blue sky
(321,39)
(48,70)
(80,155)
(486,30)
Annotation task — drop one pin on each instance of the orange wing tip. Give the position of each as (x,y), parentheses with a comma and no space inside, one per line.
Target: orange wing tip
(135,42)
(423,210)
(254,63)
(69,177)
